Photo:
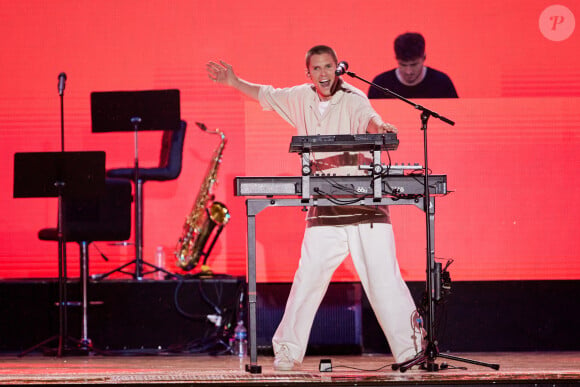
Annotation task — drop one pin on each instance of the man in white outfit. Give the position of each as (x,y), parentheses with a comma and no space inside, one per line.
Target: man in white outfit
(329,105)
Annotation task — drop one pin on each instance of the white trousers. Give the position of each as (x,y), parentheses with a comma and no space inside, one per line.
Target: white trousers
(373,253)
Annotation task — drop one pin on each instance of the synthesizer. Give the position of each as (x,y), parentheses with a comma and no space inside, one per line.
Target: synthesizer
(344,142)
(351,186)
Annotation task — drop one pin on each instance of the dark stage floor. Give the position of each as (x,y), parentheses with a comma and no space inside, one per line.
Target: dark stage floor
(526,368)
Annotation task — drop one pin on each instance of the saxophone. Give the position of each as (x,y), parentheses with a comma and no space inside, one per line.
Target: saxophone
(205,215)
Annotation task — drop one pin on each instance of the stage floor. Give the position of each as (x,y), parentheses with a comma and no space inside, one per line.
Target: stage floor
(533,368)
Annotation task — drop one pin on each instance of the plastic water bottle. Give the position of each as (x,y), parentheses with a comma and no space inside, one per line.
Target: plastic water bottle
(240,342)
(160,262)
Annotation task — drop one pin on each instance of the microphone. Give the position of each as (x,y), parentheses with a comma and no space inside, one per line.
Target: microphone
(341,68)
(61,83)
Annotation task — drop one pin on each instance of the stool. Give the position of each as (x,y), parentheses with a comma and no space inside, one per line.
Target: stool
(106,218)
(169,168)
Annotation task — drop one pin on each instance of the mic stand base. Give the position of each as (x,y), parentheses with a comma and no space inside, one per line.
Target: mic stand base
(141,264)
(426,361)
(67,346)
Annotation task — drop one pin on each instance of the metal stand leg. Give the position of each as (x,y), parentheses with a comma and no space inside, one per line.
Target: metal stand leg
(85,341)
(253,367)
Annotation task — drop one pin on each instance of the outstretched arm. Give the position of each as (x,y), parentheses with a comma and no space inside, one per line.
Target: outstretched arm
(224,74)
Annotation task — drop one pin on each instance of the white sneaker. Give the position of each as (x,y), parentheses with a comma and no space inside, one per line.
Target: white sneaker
(283,360)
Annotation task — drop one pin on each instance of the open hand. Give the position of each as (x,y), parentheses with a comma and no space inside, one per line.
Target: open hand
(221,72)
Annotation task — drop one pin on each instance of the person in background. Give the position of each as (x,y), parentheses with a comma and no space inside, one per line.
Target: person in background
(328,105)
(411,78)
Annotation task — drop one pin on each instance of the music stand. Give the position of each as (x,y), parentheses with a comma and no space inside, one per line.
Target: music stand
(135,111)
(62,175)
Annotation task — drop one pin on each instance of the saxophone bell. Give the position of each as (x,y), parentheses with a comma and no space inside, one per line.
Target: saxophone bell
(191,247)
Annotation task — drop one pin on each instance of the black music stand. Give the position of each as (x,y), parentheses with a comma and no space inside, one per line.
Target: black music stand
(135,111)
(62,175)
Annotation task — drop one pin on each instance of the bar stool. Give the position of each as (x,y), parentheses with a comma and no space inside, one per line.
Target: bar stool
(106,218)
(169,168)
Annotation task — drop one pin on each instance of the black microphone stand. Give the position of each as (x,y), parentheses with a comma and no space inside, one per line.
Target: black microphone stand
(63,175)
(62,264)
(426,358)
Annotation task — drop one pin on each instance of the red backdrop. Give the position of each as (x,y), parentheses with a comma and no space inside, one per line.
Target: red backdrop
(511,159)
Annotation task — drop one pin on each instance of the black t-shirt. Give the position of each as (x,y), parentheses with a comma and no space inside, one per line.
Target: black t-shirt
(435,85)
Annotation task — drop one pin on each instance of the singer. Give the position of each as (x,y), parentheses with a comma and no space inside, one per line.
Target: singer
(329,105)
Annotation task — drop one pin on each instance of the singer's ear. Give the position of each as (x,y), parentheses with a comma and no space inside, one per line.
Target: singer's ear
(307,73)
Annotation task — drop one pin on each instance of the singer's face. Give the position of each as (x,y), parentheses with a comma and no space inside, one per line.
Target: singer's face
(321,71)
(411,70)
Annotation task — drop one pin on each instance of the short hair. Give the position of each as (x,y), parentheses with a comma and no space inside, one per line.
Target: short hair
(318,50)
(409,46)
